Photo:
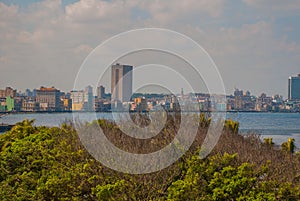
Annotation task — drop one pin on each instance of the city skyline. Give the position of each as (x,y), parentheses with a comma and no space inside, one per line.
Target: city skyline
(255,44)
(50,99)
(98,90)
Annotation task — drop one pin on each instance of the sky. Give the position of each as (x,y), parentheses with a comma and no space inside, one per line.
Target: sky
(255,44)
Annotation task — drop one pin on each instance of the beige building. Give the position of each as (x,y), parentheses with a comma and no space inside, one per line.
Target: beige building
(30,106)
(121,82)
(48,99)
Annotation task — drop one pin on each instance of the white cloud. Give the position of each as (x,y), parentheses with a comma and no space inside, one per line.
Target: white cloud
(165,12)
(7,11)
(275,5)
(87,11)
(54,41)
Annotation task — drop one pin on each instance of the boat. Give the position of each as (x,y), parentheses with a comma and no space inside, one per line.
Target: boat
(5,127)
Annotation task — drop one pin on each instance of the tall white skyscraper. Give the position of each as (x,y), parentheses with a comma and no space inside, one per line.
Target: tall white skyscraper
(121,82)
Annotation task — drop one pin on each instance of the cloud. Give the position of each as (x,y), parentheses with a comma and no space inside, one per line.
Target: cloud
(275,5)
(53,40)
(164,12)
(87,11)
(8,11)
(251,56)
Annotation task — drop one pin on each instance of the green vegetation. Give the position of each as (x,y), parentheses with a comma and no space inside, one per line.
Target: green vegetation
(232,126)
(269,141)
(40,163)
(289,146)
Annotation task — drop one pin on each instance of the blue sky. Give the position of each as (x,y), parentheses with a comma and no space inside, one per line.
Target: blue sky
(254,43)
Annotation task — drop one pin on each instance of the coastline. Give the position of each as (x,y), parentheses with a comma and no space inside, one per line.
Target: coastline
(2,113)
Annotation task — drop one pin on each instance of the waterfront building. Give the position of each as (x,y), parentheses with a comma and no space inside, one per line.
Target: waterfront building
(101,92)
(88,99)
(2,104)
(82,100)
(238,99)
(121,83)
(30,106)
(140,104)
(77,98)
(48,99)
(66,104)
(6,104)
(102,105)
(8,91)
(294,88)
(10,104)
(28,93)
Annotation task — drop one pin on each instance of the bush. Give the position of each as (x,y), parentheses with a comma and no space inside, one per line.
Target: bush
(40,163)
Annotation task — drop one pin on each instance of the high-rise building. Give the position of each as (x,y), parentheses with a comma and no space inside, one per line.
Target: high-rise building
(121,82)
(294,88)
(100,92)
(88,99)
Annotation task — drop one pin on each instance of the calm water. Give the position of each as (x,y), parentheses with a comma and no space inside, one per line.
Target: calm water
(279,126)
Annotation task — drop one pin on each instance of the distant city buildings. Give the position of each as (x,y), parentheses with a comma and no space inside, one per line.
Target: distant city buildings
(140,104)
(50,99)
(294,88)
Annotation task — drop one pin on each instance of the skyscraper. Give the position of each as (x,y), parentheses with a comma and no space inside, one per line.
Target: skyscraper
(88,98)
(100,92)
(121,82)
(294,88)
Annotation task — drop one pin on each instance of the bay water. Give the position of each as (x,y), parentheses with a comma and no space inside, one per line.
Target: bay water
(279,126)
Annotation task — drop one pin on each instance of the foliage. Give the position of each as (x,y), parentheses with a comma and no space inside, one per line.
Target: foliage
(289,146)
(269,141)
(41,163)
(222,178)
(204,121)
(232,126)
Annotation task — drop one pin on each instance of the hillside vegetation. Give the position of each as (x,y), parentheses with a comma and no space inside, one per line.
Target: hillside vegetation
(41,163)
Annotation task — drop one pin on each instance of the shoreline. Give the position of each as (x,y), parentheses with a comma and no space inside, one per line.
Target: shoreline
(204,111)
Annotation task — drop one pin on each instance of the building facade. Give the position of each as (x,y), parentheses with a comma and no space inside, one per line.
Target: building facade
(294,88)
(8,91)
(30,106)
(77,98)
(101,92)
(121,83)
(88,99)
(82,100)
(48,99)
